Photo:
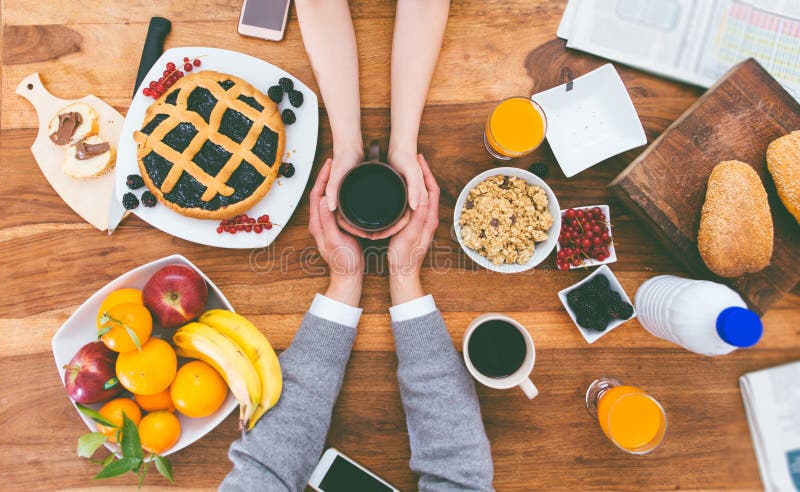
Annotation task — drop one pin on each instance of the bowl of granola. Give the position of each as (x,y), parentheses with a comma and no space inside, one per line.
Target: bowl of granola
(507,219)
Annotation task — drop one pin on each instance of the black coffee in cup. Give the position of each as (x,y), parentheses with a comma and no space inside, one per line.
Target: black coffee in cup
(372,196)
(496,348)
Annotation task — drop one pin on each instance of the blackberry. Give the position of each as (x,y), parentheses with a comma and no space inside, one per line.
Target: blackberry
(287,169)
(539,169)
(129,201)
(584,321)
(600,322)
(296,98)
(288,116)
(275,93)
(574,296)
(286,83)
(612,298)
(601,281)
(148,199)
(134,181)
(625,311)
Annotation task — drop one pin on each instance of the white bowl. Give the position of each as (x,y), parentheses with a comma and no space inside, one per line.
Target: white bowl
(81,328)
(592,336)
(612,252)
(592,121)
(541,251)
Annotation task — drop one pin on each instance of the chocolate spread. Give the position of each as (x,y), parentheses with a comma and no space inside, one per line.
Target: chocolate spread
(85,150)
(67,124)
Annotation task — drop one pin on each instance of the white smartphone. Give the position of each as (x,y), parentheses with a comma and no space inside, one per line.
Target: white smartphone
(264,19)
(338,473)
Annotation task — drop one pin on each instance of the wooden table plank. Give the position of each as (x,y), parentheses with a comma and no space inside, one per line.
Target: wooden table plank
(50,262)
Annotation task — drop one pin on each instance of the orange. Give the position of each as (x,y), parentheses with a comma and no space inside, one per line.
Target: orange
(157,401)
(147,371)
(113,411)
(198,389)
(134,316)
(159,431)
(121,296)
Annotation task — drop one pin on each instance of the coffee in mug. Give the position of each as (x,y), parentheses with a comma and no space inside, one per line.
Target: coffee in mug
(372,196)
(499,353)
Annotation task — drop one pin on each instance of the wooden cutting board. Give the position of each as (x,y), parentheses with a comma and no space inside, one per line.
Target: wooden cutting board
(737,118)
(88,198)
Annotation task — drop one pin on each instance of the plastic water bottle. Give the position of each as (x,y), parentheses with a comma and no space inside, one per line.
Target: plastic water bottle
(701,316)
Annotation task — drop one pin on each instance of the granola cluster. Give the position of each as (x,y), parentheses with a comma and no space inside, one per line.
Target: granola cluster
(503,218)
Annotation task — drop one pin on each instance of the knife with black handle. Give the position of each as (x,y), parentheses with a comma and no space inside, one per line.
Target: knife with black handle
(153,48)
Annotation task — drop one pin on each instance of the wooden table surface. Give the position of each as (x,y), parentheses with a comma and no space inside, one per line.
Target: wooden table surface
(51,261)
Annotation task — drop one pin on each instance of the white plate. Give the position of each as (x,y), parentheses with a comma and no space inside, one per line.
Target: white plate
(301,145)
(541,250)
(592,122)
(81,328)
(612,252)
(592,336)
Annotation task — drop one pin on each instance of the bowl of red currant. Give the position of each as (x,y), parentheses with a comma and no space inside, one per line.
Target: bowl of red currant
(585,239)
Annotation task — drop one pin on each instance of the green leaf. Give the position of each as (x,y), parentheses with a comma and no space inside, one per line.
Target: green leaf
(133,336)
(109,459)
(142,473)
(131,445)
(103,331)
(105,318)
(94,415)
(88,444)
(110,383)
(164,467)
(118,467)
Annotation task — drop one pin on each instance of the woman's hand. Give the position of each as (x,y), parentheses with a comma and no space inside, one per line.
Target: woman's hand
(407,164)
(341,163)
(340,251)
(407,248)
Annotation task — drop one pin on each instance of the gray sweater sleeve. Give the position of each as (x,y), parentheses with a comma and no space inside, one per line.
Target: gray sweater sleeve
(449,447)
(281,451)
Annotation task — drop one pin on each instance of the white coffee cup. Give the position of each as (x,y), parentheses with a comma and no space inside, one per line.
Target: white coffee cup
(520,377)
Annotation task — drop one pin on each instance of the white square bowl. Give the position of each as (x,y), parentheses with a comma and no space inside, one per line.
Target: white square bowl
(612,252)
(81,328)
(592,336)
(541,250)
(591,122)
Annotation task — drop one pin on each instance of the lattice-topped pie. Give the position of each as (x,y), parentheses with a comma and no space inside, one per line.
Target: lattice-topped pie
(211,146)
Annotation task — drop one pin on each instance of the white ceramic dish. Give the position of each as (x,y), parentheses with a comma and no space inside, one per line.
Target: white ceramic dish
(280,202)
(592,122)
(81,328)
(541,250)
(592,336)
(612,252)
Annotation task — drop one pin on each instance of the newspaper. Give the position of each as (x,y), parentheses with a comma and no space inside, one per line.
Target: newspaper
(772,403)
(694,41)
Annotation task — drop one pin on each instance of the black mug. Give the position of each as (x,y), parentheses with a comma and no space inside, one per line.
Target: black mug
(372,196)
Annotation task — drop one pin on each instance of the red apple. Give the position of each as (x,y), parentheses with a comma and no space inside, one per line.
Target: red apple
(175,295)
(89,376)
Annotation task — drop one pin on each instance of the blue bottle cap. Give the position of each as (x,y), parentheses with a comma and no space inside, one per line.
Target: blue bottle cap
(739,327)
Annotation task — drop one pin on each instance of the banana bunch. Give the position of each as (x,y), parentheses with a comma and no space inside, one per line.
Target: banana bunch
(241,354)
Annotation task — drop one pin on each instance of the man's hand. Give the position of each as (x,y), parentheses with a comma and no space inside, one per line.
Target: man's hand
(340,251)
(407,248)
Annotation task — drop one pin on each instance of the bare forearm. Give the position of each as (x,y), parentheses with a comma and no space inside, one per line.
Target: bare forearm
(330,41)
(418,30)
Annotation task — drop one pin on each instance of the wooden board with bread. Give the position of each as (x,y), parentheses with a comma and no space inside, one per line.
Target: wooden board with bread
(75,148)
(667,186)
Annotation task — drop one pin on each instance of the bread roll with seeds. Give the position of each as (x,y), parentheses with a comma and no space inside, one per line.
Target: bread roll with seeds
(736,233)
(783,162)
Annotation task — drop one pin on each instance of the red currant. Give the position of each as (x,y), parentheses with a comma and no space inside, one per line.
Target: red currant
(220,230)
(251,221)
(258,228)
(580,214)
(571,213)
(170,66)
(146,91)
(196,62)
(268,225)
(586,244)
(564,266)
(248,228)
(188,67)
(185,59)
(604,236)
(240,227)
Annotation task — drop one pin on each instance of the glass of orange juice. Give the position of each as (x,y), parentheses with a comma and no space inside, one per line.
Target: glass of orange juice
(629,417)
(515,127)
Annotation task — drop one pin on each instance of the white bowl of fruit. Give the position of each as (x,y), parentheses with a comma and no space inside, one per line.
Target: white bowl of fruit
(134,349)
(585,239)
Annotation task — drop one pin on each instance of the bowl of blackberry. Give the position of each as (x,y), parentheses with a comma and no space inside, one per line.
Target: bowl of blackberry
(597,304)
